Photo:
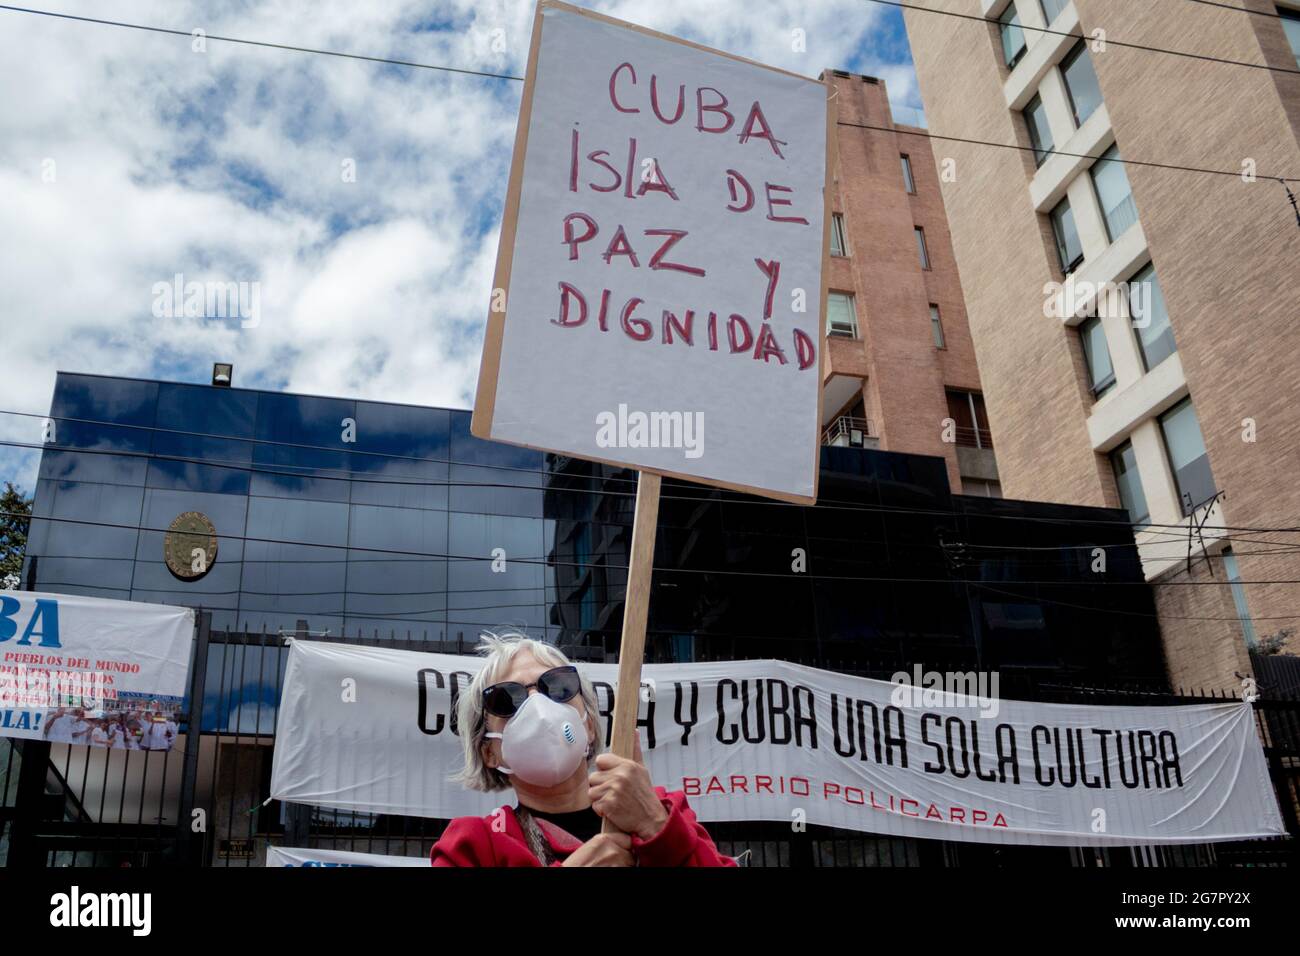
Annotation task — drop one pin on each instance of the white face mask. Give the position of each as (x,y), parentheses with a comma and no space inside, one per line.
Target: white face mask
(544,742)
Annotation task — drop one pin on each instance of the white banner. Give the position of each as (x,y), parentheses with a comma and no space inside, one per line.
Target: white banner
(81,670)
(372,729)
(297,856)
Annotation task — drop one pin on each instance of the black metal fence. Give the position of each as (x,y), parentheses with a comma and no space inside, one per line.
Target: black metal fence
(203,803)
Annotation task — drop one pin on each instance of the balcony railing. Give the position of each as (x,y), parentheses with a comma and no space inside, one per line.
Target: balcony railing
(848,432)
(973,437)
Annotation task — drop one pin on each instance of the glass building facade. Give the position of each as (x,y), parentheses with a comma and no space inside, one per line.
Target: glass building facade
(374,521)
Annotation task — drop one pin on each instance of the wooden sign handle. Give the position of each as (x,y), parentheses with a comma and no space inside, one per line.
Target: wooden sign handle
(636,606)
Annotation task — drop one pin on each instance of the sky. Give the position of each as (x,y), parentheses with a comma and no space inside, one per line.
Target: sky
(359,202)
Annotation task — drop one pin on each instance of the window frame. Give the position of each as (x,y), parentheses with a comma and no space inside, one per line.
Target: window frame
(1147,364)
(853,311)
(1003,25)
(1169,457)
(1115,457)
(923,249)
(839,236)
(1047,17)
(1291,14)
(1067,268)
(936,327)
(1078,50)
(1233,572)
(1098,389)
(909,179)
(1096,191)
(1041,152)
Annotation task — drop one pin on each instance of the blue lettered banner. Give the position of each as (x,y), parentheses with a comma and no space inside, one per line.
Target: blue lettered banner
(82,670)
(299,856)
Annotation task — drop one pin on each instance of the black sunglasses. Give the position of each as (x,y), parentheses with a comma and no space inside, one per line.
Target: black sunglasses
(560,684)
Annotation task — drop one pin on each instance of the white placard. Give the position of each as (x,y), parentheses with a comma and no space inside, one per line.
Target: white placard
(662,258)
(768,740)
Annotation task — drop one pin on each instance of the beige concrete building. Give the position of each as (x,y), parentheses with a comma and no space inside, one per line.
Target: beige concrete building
(901,362)
(1137,328)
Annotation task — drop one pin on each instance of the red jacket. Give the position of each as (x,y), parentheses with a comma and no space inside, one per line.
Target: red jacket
(471,841)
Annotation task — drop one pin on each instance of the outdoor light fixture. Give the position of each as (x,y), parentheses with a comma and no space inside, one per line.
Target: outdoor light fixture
(222,373)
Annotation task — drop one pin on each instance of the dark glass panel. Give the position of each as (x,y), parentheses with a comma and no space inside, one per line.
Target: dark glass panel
(306,522)
(117,469)
(304,420)
(207,410)
(466,448)
(200,472)
(98,399)
(403,430)
(399,482)
(514,594)
(494,491)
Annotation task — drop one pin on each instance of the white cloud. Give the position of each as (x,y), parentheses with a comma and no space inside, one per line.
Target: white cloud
(227,165)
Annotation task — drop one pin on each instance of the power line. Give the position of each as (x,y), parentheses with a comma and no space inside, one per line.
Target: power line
(1236,174)
(189,35)
(507,76)
(1228,6)
(715,495)
(1065,33)
(550,562)
(1085,607)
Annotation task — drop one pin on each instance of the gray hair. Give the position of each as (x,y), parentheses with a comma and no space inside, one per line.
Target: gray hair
(500,651)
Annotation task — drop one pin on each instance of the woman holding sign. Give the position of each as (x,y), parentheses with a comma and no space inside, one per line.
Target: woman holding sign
(527,722)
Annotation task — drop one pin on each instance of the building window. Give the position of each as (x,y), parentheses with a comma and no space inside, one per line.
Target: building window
(841,316)
(1291,25)
(1233,572)
(1124,463)
(920,247)
(1146,306)
(971,421)
(838,246)
(1113,193)
(1013,38)
(908,181)
(1040,133)
(1101,373)
(1187,457)
(981,487)
(1068,247)
(936,327)
(1052,9)
(1081,83)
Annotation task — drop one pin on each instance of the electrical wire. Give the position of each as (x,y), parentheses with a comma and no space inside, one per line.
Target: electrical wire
(1084,607)
(1235,173)
(552,562)
(189,35)
(823,503)
(1234,9)
(1065,33)
(506,76)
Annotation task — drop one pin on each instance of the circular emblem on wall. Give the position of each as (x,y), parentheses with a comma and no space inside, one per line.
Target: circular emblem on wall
(190,546)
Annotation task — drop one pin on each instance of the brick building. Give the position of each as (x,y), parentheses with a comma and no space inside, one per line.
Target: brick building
(1133,324)
(901,374)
